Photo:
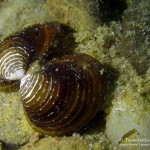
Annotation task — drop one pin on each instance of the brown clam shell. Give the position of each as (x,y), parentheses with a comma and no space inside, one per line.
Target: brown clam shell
(65,95)
(18,50)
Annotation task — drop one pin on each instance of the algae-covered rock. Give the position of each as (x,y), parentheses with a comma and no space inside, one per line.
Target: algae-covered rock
(75,142)
(16,14)
(74,13)
(14,128)
(135,43)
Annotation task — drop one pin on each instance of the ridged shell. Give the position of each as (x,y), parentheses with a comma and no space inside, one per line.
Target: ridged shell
(65,95)
(17,51)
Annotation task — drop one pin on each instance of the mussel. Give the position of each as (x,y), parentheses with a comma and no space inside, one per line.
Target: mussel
(61,97)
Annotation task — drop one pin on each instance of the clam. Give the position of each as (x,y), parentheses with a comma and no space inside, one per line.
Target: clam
(65,93)
(20,49)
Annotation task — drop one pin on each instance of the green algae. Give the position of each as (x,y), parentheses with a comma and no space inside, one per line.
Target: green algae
(135,43)
(13,125)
